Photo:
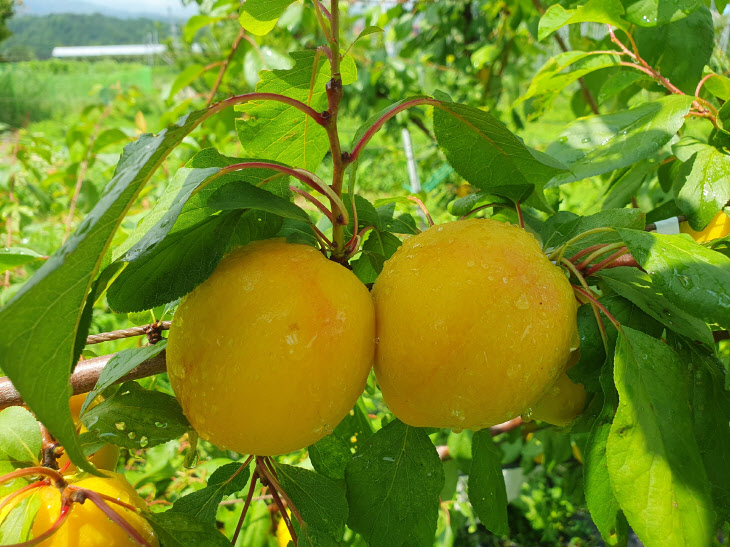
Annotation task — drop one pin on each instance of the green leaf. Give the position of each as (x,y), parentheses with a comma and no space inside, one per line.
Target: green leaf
(259,16)
(120,365)
(393,485)
(486,488)
(12,257)
(705,185)
(196,22)
(636,286)
(649,13)
(329,457)
(710,404)
(137,418)
(40,325)
(107,138)
(186,77)
(627,185)
(16,527)
(203,504)
(483,151)
(693,277)
(377,248)
(173,267)
(20,436)
(718,85)
(620,81)
(562,228)
(665,46)
(184,202)
(598,144)
(298,231)
(655,466)
(183,530)
(237,195)
(609,12)
(279,132)
(603,505)
(367,31)
(321,502)
(552,78)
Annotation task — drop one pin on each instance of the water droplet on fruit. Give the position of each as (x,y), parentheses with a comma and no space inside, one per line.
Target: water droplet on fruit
(527,416)
(121,426)
(505,280)
(470,264)
(143,441)
(522,302)
(132,435)
(328,429)
(457,430)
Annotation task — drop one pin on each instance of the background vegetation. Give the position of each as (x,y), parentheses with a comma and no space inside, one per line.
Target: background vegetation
(63,125)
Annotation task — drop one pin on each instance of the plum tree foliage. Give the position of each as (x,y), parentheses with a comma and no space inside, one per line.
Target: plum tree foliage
(607,159)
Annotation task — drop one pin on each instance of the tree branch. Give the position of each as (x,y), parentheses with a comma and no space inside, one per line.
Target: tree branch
(85,376)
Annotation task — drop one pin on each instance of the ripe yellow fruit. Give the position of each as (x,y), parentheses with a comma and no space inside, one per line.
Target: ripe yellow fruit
(87,525)
(104,458)
(563,401)
(718,227)
(273,350)
(474,324)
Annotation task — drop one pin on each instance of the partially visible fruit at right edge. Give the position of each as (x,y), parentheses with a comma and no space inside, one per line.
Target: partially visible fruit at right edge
(718,227)
(564,401)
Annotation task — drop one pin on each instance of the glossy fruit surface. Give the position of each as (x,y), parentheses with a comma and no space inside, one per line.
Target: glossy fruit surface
(474,325)
(718,227)
(563,401)
(273,350)
(87,525)
(104,458)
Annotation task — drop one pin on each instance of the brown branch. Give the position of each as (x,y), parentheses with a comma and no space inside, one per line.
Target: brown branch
(85,376)
(224,66)
(124,333)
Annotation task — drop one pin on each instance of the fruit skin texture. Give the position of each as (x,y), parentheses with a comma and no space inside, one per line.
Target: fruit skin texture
(87,525)
(563,401)
(718,227)
(474,325)
(273,350)
(104,458)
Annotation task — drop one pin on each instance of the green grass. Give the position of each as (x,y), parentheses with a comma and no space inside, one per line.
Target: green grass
(39,90)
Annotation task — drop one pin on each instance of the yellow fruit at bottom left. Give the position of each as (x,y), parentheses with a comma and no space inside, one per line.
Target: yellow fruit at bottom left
(87,525)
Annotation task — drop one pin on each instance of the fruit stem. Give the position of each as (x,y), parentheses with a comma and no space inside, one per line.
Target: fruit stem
(595,301)
(520,218)
(276,489)
(481,207)
(568,264)
(54,475)
(423,207)
(98,500)
(558,253)
(603,250)
(586,251)
(310,198)
(249,497)
(608,261)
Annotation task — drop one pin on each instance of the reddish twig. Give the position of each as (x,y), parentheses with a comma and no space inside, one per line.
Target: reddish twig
(606,262)
(600,306)
(422,205)
(224,66)
(314,201)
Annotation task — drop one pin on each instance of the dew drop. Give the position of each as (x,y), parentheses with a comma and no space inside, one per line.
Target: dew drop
(143,441)
(328,429)
(457,430)
(132,435)
(522,302)
(527,416)
(121,426)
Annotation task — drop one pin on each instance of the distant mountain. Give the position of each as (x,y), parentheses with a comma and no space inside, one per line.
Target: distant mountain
(34,37)
(150,10)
